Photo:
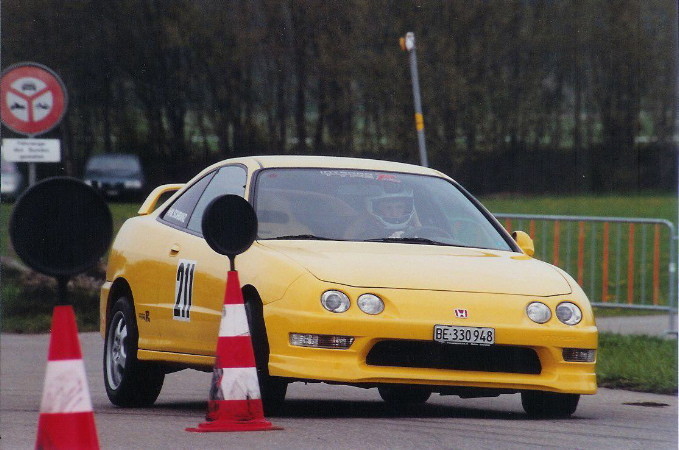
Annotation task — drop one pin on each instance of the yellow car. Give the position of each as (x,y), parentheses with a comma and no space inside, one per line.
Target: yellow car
(364,272)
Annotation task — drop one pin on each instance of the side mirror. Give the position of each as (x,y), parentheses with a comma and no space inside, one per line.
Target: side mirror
(525,242)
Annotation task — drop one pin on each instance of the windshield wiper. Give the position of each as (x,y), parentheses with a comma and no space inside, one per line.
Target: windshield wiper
(407,240)
(308,237)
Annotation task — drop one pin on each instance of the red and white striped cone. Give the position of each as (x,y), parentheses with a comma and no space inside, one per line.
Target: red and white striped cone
(66,416)
(234,403)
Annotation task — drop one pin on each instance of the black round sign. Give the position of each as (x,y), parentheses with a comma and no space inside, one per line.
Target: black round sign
(60,227)
(229,225)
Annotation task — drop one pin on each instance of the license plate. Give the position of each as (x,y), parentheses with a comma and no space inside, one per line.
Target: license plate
(447,334)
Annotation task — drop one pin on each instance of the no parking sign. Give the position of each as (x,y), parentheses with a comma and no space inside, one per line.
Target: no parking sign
(33,98)
(32,102)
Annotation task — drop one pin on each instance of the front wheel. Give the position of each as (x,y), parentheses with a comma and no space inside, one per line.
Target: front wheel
(128,381)
(549,404)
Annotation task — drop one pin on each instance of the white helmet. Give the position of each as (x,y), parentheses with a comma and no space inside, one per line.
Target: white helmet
(393,210)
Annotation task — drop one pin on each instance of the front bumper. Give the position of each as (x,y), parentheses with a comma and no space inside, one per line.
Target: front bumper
(410,316)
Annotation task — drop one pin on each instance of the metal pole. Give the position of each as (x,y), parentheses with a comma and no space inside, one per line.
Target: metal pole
(674,254)
(408,44)
(31,174)
(673,291)
(62,291)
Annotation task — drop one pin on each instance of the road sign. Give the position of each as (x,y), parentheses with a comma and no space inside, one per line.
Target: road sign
(31,150)
(60,227)
(32,99)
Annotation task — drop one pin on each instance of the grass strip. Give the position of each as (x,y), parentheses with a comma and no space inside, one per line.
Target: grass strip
(638,363)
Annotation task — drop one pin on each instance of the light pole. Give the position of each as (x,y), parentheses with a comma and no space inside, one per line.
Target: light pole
(408,45)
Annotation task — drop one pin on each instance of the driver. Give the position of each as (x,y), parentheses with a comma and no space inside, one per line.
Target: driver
(394,212)
(390,214)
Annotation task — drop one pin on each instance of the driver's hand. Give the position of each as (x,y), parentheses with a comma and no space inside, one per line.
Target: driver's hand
(397,234)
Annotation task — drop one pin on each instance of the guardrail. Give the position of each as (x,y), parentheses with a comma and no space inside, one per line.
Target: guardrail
(619,262)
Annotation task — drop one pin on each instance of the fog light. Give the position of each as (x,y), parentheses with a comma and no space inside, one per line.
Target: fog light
(321,341)
(538,312)
(579,354)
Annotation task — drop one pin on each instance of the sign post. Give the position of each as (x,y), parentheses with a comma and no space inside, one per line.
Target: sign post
(408,44)
(32,102)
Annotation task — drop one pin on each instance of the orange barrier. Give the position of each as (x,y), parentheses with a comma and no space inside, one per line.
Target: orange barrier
(557,240)
(604,265)
(630,265)
(656,264)
(581,252)
(598,263)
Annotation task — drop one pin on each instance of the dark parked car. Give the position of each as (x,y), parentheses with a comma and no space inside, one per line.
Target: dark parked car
(13,182)
(116,175)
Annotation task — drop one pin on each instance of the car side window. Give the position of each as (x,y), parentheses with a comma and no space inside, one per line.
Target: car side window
(228,180)
(179,212)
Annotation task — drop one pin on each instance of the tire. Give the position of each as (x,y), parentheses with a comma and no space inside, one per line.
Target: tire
(272,389)
(404,395)
(129,382)
(549,404)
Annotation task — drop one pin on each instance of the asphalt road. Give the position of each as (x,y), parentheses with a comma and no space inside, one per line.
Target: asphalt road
(329,417)
(653,325)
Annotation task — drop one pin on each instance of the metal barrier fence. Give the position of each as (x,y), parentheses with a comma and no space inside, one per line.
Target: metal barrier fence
(618,261)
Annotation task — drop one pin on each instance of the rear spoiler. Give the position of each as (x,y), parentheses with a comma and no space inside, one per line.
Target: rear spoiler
(150,203)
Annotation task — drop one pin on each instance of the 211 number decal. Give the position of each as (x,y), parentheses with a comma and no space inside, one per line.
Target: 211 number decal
(183,290)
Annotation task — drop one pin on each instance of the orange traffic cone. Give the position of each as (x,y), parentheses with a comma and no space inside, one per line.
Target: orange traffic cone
(234,403)
(66,416)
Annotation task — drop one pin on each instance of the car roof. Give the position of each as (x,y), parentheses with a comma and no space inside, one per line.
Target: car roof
(308,161)
(333,162)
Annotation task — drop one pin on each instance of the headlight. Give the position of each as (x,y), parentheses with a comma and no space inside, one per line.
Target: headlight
(569,313)
(538,312)
(88,182)
(335,301)
(370,304)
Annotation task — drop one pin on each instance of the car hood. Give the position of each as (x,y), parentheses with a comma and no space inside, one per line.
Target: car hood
(408,266)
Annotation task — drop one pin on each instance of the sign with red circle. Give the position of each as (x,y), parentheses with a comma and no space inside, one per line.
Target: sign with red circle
(32,99)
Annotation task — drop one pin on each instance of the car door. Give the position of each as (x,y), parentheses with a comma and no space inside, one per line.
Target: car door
(194,275)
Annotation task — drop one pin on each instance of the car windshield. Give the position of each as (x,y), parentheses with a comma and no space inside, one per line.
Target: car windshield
(364,205)
(120,165)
